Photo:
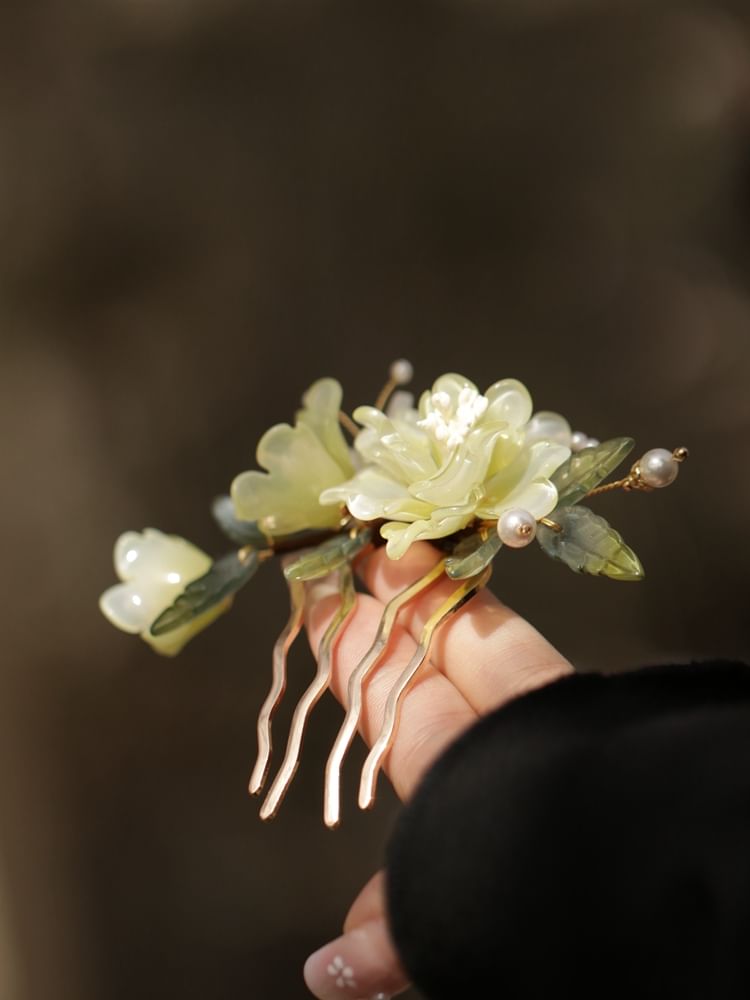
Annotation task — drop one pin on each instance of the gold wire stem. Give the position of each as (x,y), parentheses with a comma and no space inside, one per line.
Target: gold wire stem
(549,523)
(346,421)
(393,705)
(628,483)
(331,806)
(310,698)
(385,393)
(278,685)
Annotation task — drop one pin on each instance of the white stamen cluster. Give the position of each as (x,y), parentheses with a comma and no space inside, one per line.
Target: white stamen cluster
(450,425)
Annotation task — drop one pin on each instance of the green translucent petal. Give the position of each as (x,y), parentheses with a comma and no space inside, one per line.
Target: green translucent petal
(327,557)
(588,544)
(585,469)
(225,578)
(471,555)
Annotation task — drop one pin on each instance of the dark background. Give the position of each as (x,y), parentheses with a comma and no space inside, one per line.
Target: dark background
(206,204)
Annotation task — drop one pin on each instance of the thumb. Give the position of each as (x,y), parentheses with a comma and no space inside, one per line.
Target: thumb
(362,964)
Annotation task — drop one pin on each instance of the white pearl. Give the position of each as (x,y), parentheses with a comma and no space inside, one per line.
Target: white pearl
(658,468)
(548,426)
(516,527)
(593,443)
(579,441)
(402,371)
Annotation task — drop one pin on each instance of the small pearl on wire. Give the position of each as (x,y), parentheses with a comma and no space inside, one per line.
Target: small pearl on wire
(402,371)
(579,441)
(516,527)
(658,468)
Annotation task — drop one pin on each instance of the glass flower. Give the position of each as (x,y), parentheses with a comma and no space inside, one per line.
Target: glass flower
(154,569)
(461,455)
(301,462)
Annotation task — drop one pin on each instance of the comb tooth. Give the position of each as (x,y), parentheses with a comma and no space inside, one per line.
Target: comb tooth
(312,695)
(332,805)
(387,734)
(278,686)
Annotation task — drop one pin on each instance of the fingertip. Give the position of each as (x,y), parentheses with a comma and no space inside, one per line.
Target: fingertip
(362,963)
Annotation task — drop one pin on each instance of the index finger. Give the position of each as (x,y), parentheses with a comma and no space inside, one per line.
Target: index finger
(434,712)
(489,652)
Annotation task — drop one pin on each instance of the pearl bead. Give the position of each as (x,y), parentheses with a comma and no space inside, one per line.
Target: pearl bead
(516,527)
(593,443)
(402,371)
(548,426)
(658,468)
(579,441)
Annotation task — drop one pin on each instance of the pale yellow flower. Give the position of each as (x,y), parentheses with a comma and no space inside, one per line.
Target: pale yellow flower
(462,455)
(302,461)
(154,569)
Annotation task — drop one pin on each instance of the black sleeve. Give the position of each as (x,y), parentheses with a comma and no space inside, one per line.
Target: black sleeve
(589,839)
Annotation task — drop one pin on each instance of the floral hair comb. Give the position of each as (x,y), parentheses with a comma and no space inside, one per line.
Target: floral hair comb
(468,471)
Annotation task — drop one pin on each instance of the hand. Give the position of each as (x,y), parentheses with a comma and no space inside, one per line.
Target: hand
(481,658)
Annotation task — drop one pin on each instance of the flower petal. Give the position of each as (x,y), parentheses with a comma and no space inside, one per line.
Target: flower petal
(443,522)
(322,403)
(132,606)
(464,473)
(509,400)
(367,494)
(152,554)
(286,498)
(525,482)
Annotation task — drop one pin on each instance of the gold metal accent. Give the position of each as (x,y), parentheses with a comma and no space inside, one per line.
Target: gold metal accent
(628,483)
(680,454)
(312,695)
(278,686)
(393,706)
(346,421)
(548,523)
(331,806)
(385,392)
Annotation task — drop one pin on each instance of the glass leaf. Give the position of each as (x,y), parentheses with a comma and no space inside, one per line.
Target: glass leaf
(327,557)
(588,544)
(240,532)
(226,577)
(471,555)
(584,470)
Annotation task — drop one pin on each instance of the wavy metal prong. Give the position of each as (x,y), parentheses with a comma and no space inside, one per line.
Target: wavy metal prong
(332,799)
(278,685)
(383,744)
(312,695)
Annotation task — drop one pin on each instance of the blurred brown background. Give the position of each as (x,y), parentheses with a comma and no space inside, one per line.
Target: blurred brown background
(204,205)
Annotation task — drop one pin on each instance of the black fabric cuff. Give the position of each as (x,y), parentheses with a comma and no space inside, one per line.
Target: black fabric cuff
(593,835)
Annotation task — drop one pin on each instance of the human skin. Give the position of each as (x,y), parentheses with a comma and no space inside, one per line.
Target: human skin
(481,658)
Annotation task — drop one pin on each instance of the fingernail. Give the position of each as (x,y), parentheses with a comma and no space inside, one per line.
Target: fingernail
(361,964)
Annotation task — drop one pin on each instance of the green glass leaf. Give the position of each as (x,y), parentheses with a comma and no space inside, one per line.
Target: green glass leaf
(584,470)
(327,557)
(588,544)
(226,577)
(240,532)
(471,555)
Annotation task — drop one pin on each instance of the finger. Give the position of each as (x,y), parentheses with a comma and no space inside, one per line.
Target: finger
(489,652)
(434,713)
(369,904)
(361,963)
